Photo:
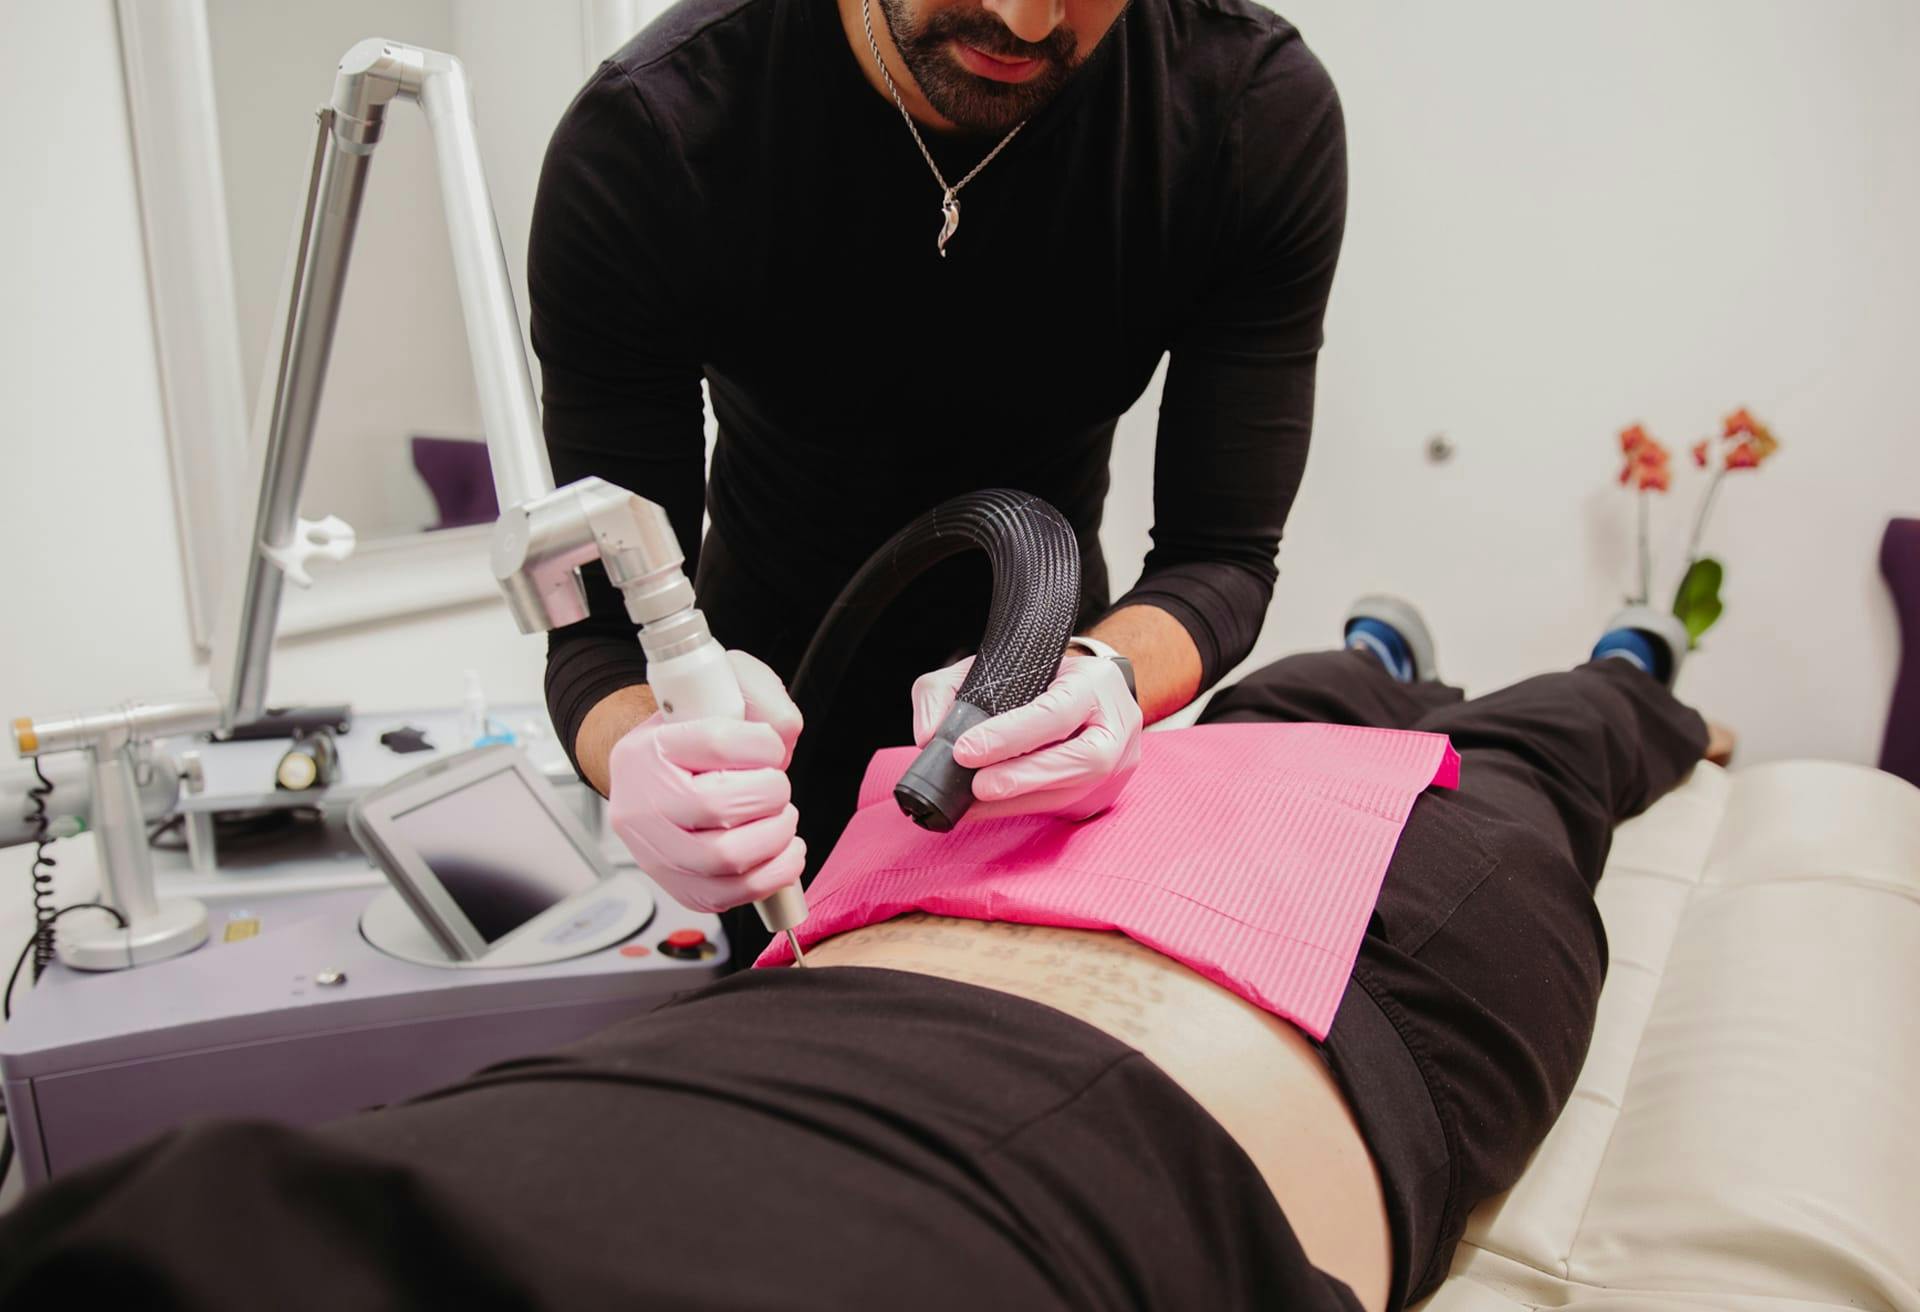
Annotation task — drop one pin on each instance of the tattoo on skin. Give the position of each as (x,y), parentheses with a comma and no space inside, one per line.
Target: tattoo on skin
(1104,979)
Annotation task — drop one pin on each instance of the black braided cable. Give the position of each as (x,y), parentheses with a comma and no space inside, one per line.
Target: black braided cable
(1036,595)
(6,997)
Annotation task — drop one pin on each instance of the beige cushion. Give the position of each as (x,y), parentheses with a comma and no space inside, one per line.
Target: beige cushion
(1746,1130)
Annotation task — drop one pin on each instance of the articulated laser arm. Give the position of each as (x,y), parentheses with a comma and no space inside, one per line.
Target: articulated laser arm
(372,75)
(543,536)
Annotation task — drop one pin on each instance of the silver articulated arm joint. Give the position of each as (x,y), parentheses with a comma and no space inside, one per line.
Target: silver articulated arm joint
(539,546)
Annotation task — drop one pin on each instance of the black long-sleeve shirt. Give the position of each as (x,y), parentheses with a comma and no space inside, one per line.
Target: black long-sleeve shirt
(728,198)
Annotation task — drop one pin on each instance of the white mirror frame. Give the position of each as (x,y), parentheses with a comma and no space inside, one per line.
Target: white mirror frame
(167,61)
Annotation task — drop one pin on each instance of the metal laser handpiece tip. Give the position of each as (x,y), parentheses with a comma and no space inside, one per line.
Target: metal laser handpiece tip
(793,941)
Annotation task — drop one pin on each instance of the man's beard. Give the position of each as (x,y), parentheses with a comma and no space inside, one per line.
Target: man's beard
(969,101)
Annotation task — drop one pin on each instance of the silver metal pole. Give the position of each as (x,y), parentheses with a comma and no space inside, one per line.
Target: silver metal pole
(284,423)
(508,410)
(126,862)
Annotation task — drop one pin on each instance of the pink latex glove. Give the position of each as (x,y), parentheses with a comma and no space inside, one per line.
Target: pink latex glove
(1068,752)
(704,805)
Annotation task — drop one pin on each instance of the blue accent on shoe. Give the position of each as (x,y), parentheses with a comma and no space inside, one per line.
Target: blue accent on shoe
(1382,641)
(1644,650)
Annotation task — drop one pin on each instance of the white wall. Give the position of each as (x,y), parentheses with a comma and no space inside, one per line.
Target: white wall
(1568,217)
(93,590)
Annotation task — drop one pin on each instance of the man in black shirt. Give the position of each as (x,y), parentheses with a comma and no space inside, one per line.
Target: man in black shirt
(768,195)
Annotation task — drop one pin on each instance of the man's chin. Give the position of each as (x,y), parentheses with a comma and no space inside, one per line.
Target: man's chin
(981,106)
(975,126)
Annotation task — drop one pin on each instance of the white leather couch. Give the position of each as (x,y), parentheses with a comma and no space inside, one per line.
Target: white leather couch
(1746,1131)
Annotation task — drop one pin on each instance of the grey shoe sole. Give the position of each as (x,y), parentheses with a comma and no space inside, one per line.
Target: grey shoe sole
(1664,625)
(1406,620)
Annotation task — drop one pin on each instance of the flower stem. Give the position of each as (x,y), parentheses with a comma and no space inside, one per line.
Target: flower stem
(1646,556)
(1700,521)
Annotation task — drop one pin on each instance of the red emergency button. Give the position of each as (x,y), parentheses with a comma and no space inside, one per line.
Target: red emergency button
(687,945)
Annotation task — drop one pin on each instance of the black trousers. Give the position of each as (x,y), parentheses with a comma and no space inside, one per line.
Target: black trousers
(857,1137)
(1472,1003)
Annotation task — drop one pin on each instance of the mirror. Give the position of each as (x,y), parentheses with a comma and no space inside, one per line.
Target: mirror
(399,383)
(221,96)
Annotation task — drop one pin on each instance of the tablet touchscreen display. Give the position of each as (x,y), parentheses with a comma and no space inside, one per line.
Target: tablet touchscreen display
(496,851)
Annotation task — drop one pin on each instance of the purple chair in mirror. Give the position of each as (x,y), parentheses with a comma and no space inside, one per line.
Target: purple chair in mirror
(458,475)
(1900,563)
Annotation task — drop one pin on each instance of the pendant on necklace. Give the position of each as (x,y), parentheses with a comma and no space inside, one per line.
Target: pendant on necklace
(949,219)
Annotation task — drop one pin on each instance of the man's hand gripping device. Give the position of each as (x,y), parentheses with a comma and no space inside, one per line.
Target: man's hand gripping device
(538,548)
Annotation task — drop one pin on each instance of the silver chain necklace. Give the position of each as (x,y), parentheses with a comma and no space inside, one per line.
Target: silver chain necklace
(949,196)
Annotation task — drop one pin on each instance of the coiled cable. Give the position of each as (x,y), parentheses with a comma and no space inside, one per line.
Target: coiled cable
(43,911)
(6,999)
(39,944)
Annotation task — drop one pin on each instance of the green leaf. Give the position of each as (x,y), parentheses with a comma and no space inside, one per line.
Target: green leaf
(1697,602)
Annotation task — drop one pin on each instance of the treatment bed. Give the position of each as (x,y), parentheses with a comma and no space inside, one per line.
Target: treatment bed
(1743,1134)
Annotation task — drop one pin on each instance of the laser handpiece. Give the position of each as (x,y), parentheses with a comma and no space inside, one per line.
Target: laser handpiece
(538,547)
(691,679)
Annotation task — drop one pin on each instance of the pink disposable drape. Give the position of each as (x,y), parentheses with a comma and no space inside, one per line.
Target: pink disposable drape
(1253,853)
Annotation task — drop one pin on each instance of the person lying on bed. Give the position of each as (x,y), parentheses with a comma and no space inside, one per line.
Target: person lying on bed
(982,1115)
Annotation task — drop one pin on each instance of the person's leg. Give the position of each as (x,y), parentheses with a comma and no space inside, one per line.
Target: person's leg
(1382,679)
(796,1139)
(1327,687)
(1483,964)
(1573,753)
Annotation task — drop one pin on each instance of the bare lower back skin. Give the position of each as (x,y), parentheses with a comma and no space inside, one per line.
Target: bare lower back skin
(1259,1076)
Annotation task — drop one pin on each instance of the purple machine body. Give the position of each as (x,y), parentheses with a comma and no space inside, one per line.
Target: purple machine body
(289,1014)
